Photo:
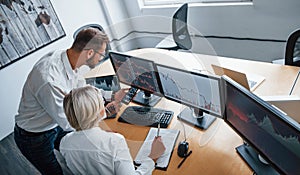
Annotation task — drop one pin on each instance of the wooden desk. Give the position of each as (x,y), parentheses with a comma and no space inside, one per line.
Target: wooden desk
(213,149)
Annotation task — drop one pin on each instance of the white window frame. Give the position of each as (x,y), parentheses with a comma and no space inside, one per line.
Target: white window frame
(173,2)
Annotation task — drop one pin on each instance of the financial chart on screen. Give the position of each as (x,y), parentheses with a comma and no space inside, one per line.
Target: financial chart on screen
(192,89)
(136,72)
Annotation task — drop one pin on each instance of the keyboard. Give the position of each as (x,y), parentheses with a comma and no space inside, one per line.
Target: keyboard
(146,116)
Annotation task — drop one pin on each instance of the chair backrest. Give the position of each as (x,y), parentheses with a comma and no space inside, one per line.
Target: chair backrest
(292,50)
(99,27)
(180,31)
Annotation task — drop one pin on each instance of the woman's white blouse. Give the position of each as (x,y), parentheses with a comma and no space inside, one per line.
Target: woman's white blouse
(96,151)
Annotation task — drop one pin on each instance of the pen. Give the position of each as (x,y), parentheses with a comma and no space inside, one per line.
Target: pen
(158,129)
(184,159)
(295,81)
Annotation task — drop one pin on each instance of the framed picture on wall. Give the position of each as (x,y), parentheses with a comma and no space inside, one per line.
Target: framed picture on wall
(25,26)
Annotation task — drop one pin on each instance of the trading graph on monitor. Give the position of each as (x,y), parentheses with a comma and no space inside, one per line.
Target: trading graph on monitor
(272,139)
(138,73)
(200,92)
(107,83)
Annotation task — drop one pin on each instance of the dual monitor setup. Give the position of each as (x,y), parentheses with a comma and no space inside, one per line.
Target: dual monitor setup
(200,92)
(271,139)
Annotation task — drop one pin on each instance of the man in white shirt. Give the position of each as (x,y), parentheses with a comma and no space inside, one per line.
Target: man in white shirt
(91,150)
(41,121)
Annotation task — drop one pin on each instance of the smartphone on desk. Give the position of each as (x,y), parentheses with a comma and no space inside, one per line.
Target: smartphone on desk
(129,95)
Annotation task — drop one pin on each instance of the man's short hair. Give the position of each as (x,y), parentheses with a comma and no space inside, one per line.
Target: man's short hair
(90,38)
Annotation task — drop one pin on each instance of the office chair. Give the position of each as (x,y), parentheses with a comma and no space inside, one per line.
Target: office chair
(180,31)
(292,49)
(99,27)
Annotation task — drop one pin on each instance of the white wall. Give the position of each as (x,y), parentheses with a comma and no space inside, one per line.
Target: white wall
(72,15)
(265,19)
(117,14)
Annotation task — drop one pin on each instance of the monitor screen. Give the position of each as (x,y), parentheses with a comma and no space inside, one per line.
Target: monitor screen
(136,72)
(273,135)
(192,89)
(107,83)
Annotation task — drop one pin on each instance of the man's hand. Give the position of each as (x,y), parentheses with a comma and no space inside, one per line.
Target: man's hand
(119,95)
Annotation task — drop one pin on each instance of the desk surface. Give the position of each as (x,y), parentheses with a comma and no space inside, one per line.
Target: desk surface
(213,149)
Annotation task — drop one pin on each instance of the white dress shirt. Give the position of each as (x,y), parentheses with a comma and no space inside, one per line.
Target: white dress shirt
(95,151)
(41,105)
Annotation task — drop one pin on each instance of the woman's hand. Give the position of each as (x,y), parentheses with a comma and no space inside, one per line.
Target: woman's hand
(157,148)
(112,108)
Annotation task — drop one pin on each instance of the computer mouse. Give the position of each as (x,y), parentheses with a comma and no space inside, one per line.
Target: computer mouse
(183,148)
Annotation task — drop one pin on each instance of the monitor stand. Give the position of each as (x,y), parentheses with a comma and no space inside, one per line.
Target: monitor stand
(196,117)
(256,162)
(146,98)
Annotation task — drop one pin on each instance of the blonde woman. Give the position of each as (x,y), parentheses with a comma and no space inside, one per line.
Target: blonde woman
(91,150)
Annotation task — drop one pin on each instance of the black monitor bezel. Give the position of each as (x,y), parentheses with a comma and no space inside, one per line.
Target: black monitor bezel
(218,79)
(295,126)
(133,85)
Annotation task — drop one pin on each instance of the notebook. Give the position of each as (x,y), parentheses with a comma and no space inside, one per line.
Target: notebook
(169,138)
(249,81)
(288,104)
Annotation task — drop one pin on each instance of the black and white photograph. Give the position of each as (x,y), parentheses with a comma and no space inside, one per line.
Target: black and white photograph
(25,26)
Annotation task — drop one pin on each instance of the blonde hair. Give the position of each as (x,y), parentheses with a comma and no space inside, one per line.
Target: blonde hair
(84,107)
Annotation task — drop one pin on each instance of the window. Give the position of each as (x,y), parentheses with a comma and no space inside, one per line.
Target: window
(170,2)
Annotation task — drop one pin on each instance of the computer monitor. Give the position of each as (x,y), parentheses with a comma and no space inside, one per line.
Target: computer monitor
(269,135)
(138,73)
(107,83)
(200,92)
